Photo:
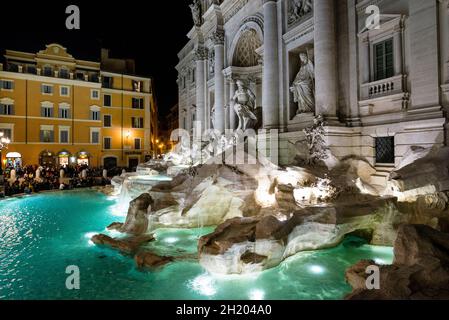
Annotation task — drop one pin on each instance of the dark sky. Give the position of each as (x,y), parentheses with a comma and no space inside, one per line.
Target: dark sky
(151,32)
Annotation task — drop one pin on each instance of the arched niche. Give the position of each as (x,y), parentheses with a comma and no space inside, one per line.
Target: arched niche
(251,30)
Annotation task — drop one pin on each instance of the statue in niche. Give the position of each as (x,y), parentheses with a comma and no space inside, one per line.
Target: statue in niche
(196,13)
(298,9)
(244,101)
(212,116)
(303,87)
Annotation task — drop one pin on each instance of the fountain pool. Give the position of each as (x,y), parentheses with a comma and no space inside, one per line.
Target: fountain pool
(41,235)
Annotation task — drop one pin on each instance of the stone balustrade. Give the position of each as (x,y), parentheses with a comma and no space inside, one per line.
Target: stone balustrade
(385,87)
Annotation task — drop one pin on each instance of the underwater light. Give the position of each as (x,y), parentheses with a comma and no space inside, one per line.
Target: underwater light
(204,284)
(316,269)
(256,294)
(380,261)
(89,235)
(171,240)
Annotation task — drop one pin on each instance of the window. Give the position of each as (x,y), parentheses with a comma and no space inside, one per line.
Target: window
(107,143)
(64,135)
(107,121)
(47,110)
(6,85)
(137,122)
(137,103)
(384,60)
(137,86)
(95,94)
(64,111)
(137,144)
(6,109)
(48,71)
(31,69)
(107,82)
(385,150)
(95,115)
(64,91)
(79,76)
(47,89)
(47,135)
(95,137)
(93,77)
(107,100)
(7,133)
(64,73)
(12,67)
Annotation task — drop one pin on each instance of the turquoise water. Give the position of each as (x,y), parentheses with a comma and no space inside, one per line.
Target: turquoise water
(41,235)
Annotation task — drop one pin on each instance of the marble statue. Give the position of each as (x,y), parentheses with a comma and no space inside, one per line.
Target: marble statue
(212,116)
(244,101)
(298,9)
(196,12)
(303,87)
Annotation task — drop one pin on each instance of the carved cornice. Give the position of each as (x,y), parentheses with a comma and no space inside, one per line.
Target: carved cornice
(234,9)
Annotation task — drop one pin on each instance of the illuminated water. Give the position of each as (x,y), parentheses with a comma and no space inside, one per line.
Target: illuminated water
(41,235)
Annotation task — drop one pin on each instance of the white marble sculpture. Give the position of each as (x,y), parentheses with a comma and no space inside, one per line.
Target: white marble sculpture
(244,101)
(196,12)
(303,88)
(298,9)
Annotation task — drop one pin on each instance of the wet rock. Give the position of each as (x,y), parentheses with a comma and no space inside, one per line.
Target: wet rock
(251,257)
(128,245)
(420,269)
(117,226)
(149,260)
(137,219)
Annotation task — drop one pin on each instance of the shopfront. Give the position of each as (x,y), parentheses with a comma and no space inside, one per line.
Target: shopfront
(13,159)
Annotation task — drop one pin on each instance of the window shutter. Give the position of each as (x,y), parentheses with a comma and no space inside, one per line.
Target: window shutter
(141,122)
(2,109)
(41,136)
(1,84)
(12,110)
(12,85)
(42,112)
(52,136)
(141,103)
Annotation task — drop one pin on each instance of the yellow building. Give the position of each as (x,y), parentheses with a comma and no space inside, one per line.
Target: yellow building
(59,110)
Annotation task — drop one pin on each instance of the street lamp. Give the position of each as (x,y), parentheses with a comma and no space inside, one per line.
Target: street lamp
(4,142)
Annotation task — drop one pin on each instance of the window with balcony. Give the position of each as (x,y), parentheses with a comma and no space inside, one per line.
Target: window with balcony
(383,60)
(31,69)
(137,85)
(107,121)
(137,122)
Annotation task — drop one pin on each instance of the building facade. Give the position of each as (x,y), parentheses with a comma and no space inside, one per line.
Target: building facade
(58,110)
(382,86)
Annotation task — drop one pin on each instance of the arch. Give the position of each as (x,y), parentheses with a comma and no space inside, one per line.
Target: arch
(245,54)
(110,161)
(13,155)
(47,158)
(254,23)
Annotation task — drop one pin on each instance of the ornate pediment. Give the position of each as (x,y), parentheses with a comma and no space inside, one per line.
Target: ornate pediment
(55,51)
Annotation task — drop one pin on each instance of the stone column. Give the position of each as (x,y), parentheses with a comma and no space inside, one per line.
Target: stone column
(270,93)
(325,59)
(364,60)
(201,57)
(218,39)
(232,115)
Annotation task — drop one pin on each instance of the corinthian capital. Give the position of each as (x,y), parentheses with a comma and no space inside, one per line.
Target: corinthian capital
(201,53)
(218,37)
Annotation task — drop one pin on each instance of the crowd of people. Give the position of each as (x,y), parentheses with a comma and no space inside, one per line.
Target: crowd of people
(33,178)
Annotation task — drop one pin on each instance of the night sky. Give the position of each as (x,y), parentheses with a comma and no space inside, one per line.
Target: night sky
(151,32)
